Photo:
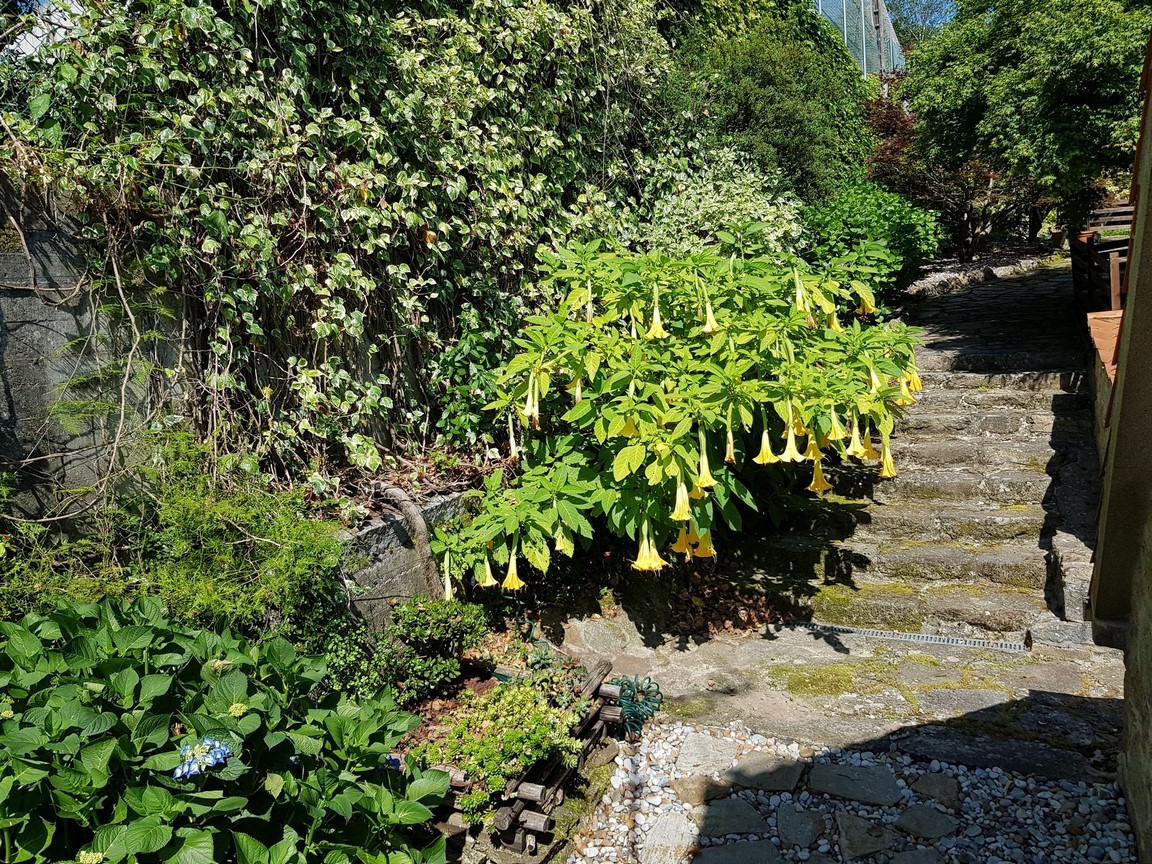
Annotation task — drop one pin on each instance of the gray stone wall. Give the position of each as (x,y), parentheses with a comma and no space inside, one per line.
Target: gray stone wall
(383,562)
(1136,755)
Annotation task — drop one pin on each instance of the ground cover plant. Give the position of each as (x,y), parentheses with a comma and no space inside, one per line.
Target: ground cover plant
(649,400)
(125,737)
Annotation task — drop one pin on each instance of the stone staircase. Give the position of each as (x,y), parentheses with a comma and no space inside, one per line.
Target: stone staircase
(986,532)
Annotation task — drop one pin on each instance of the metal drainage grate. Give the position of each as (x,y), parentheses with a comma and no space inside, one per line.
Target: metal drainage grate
(1018,647)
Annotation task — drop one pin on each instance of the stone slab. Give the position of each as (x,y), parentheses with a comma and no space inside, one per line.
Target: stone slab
(798,827)
(705,754)
(964,747)
(858,837)
(728,816)
(765,771)
(926,822)
(695,789)
(866,784)
(941,788)
(671,837)
(749,852)
(951,703)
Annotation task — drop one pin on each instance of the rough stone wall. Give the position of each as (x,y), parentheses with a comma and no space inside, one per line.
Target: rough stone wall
(383,561)
(1136,755)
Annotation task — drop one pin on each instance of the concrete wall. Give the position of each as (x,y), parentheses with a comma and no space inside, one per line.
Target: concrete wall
(1136,755)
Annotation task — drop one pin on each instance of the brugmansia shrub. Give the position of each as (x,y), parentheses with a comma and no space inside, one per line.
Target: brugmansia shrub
(865,215)
(124,737)
(659,384)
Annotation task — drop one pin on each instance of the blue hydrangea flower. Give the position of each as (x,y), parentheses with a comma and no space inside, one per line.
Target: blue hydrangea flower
(199,757)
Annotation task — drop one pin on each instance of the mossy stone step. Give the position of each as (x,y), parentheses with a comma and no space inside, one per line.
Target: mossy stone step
(796,565)
(939,400)
(1057,381)
(951,609)
(1071,424)
(971,523)
(981,453)
(999,487)
(931,358)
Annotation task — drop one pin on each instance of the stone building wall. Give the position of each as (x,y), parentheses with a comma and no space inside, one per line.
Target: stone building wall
(1136,755)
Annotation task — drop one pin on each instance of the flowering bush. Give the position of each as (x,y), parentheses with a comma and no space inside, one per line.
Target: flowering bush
(126,738)
(660,385)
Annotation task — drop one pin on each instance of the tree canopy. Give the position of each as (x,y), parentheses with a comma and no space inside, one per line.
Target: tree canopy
(1045,90)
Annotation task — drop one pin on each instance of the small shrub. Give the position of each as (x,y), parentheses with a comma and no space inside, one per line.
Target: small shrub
(499,735)
(446,627)
(865,213)
(126,736)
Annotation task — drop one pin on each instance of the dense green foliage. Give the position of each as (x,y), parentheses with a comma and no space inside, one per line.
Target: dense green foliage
(226,549)
(917,21)
(1045,91)
(99,703)
(497,736)
(339,199)
(866,213)
(651,367)
(785,91)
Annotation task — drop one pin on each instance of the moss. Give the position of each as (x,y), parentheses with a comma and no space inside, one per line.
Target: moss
(888,605)
(687,708)
(1038,466)
(832,679)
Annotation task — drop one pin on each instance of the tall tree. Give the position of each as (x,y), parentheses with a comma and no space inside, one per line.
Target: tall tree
(916,21)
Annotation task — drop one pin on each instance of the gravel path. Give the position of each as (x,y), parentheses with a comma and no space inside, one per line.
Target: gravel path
(727,796)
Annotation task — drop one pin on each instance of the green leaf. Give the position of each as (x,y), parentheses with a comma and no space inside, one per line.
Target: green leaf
(249,850)
(134,638)
(433,784)
(21,645)
(145,836)
(196,847)
(164,761)
(152,730)
(274,784)
(305,744)
(627,461)
(152,686)
(410,813)
(38,106)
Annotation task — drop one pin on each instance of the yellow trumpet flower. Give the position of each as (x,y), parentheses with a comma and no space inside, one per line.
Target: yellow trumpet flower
(512,582)
(529,402)
(876,385)
(812,451)
(449,594)
(838,432)
(869,450)
(710,325)
(818,485)
(791,453)
(697,493)
(704,479)
(578,393)
(730,450)
(647,558)
(681,513)
(855,446)
(834,323)
(865,307)
(513,450)
(629,430)
(682,546)
(656,331)
(488,580)
(704,547)
(914,382)
(766,456)
(887,468)
(693,537)
(906,397)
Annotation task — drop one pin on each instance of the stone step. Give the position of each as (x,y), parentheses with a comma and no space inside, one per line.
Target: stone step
(1072,424)
(959,609)
(981,453)
(945,521)
(797,564)
(1000,400)
(1058,381)
(1001,487)
(937,358)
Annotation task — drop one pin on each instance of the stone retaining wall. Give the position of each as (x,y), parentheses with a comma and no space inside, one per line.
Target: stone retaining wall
(1136,757)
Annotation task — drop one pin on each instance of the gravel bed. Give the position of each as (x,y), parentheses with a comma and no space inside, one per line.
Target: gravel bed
(997,817)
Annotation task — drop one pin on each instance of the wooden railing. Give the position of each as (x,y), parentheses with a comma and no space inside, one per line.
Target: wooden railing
(1100,262)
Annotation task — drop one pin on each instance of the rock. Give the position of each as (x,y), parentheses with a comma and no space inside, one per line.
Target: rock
(728,816)
(798,827)
(1050,630)
(754,852)
(705,754)
(868,785)
(765,771)
(918,856)
(669,839)
(695,789)
(926,822)
(603,755)
(940,787)
(950,703)
(858,838)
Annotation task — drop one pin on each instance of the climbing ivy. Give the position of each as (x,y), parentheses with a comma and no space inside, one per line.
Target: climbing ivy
(337,201)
